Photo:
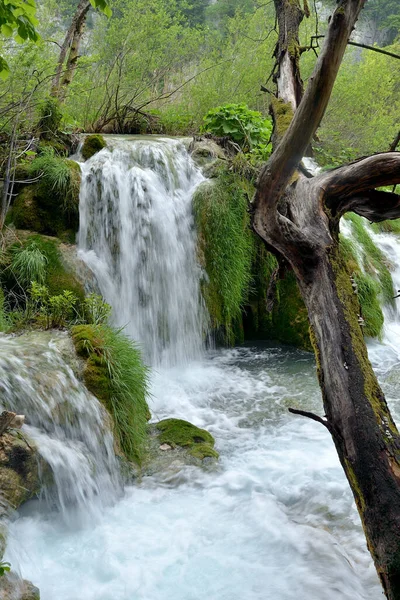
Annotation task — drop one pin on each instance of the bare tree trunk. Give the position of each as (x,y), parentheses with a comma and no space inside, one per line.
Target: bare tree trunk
(299,219)
(65,71)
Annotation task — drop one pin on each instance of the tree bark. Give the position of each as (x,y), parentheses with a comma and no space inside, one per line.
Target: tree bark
(65,70)
(299,218)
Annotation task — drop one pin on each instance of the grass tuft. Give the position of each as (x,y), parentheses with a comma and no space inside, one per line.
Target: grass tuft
(116,375)
(29,264)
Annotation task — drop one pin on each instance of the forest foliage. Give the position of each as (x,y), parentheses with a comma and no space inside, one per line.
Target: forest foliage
(161,65)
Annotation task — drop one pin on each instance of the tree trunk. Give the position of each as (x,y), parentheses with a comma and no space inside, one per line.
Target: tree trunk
(299,219)
(72,40)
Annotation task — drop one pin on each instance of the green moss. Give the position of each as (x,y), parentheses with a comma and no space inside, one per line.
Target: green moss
(202,451)
(371,312)
(350,303)
(25,212)
(115,374)
(283,114)
(92,144)
(290,319)
(50,206)
(177,432)
(58,277)
(374,261)
(226,246)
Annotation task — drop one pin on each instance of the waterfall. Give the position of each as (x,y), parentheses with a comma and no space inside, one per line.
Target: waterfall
(137,236)
(67,423)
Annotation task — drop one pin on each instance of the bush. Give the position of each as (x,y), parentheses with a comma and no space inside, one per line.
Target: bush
(248,128)
(116,375)
(58,311)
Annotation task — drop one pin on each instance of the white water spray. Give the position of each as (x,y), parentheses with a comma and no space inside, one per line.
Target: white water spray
(68,424)
(137,235)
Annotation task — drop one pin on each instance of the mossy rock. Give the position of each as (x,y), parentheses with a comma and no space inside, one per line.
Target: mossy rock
(38,207)
(115,373)
(59,278)
(92,144)
(177,432)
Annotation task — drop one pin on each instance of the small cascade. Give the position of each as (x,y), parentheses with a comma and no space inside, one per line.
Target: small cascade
(67,423)
(389,244)
(137,236)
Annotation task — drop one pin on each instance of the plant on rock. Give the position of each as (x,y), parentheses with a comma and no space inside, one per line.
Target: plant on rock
(116,375)
(248,128)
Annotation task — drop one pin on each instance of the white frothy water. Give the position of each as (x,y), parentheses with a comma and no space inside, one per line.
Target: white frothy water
(137,235)
(275,520)
(67,423)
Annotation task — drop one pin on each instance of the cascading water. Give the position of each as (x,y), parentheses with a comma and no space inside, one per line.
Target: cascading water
(137,235)
(275,520)
(67,423)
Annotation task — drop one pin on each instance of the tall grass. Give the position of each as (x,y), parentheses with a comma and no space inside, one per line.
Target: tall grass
(227,244)
(29,264)
(116,374)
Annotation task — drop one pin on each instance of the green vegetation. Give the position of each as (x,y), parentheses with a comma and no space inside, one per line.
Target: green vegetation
(177,432)
(60,181)
(37,289)
(28,264)
(116,375)
(373,261)
(368,268)
(248,128)
(5,567)
(226,243)
(92,144)
(50,118)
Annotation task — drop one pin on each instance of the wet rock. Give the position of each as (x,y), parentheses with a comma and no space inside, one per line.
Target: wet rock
(187,445)
(19,469)
(12,587)
(165,447)
(208,155)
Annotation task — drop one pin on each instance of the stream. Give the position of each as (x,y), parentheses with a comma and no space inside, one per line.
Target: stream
(275,518)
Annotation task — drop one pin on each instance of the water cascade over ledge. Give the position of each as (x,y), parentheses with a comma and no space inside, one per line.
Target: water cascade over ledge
(275,519)
(68,425)
(137,236)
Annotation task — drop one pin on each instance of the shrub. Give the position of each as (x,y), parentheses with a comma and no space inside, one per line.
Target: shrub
(248,128)
(58,311)
(116,375)
(96,310)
